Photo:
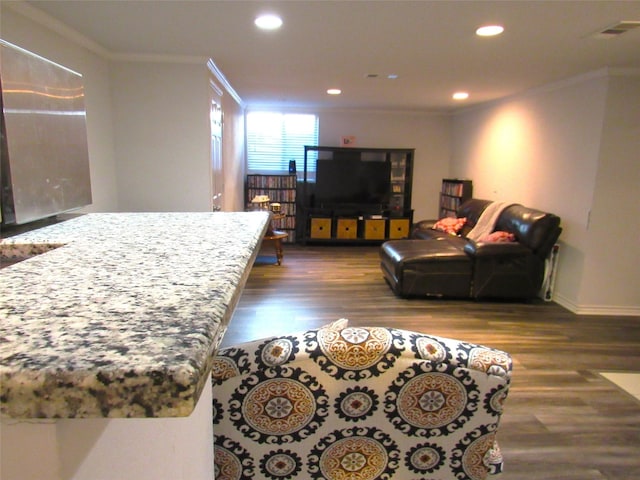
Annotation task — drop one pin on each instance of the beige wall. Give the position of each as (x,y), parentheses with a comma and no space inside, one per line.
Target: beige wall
(161,126)
(612,264)
(559,149)
(162,133)
(428,133)
(18,29)
(233,154)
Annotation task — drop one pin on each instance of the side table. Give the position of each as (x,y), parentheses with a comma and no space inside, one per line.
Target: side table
(276,236)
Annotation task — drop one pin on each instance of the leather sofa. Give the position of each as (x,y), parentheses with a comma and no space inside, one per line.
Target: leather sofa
(435,263)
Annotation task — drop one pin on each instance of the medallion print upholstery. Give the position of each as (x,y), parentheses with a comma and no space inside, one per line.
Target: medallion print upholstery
(494,401)
(281,464)
(277,351)
(425,458)
(423,402)
(429,348)
(355,454)
(354,353)
(358,403)
(472,454)
(232,461)
(490,361)
(234,363)
(278,405)
(218,411)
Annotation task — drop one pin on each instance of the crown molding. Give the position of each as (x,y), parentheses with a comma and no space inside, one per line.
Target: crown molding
(532,92)
(158,58)
(219,76)
(44,19)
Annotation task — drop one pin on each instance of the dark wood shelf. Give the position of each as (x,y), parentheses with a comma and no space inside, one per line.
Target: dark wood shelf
(384,213)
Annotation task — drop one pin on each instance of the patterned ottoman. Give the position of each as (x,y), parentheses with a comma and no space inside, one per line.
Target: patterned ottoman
(358,403)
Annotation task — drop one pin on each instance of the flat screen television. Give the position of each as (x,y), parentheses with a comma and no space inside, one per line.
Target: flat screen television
(352,180)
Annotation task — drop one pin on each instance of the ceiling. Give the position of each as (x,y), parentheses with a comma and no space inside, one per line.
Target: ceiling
(430,45)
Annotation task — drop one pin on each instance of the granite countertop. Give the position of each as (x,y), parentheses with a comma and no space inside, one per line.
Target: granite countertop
(121,314)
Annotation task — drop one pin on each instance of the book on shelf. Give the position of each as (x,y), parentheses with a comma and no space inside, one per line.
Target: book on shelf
(271,181)
(453,189)
(280,189)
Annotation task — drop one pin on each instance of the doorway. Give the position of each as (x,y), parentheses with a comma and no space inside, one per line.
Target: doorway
(217,171)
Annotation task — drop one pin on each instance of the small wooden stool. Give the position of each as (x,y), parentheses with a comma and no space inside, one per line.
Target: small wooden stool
(276,236)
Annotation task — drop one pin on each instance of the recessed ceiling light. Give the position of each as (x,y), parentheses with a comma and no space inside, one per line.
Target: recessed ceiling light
(334,91)
(460,96)
(268,22)
(490,30)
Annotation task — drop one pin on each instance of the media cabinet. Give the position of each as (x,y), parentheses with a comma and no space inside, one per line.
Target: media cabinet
(355,195)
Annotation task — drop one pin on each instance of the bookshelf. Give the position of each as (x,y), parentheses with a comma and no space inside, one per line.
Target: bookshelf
(453,193)
(280,189)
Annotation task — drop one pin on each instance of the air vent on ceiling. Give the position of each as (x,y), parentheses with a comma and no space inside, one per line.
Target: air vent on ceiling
(617,29)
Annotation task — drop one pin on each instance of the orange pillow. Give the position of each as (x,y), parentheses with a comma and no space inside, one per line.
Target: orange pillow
(450,225)
(498,237)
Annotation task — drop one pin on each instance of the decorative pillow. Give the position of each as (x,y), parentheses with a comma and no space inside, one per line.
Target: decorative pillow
(498,236)
(450,225)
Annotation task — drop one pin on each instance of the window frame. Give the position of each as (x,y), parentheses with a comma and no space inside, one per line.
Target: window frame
(283,152)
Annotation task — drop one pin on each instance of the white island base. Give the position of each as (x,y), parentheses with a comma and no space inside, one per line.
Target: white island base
(110,449)
(108,327)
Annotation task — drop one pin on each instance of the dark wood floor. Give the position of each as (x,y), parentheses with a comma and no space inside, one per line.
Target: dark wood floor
(562,419)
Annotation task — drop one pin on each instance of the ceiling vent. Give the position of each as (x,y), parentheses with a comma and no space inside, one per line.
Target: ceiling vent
(617,29)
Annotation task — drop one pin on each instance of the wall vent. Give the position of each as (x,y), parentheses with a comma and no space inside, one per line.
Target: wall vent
(617,29)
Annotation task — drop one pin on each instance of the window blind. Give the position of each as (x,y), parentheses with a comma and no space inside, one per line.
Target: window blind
(274,138)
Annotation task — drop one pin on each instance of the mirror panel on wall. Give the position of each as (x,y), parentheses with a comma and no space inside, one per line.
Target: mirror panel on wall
(45,158)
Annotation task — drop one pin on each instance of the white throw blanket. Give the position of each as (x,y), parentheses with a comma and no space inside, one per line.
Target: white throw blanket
(487,220)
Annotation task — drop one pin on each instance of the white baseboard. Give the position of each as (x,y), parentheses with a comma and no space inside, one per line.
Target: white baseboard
(626,311)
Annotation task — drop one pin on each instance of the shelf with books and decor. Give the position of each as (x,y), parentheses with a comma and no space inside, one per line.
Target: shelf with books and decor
(358,195)
(453,193)
(281,193)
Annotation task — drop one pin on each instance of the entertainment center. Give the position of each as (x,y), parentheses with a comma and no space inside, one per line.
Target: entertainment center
(356,194)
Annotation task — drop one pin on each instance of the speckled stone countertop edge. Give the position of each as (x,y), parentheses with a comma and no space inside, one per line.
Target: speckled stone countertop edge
(165,390)
(226,320)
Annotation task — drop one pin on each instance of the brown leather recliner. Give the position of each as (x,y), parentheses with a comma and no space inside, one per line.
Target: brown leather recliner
(433,263)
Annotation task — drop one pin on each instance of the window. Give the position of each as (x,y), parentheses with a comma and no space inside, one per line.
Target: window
(273,139)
